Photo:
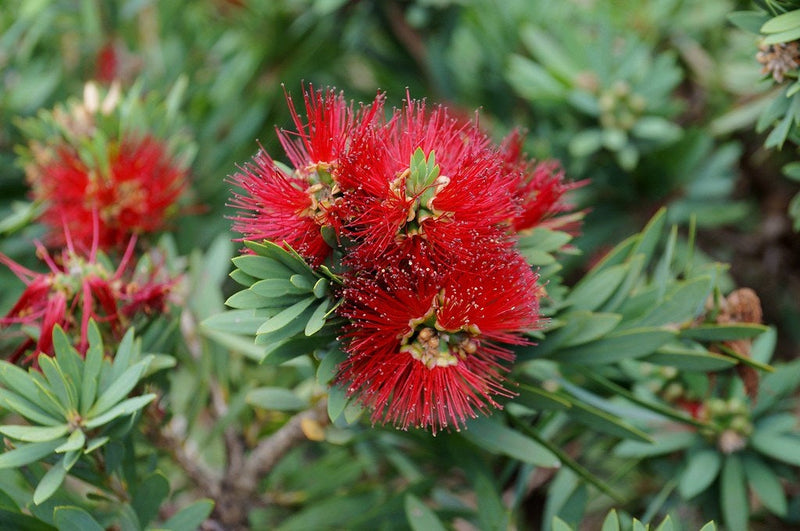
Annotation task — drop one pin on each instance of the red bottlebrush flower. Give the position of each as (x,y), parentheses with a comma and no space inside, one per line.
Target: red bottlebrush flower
(423,176)
(424,343)
(107,63)
(293,206)
(132,193)
(76,289)
(538,189)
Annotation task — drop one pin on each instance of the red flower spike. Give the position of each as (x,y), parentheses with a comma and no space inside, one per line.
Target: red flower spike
(424,342)
(423,176)
(293,207)
(538,188)
(75,290)
(134,195)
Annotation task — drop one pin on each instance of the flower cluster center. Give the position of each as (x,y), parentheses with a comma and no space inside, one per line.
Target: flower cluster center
(437,348)
(322,189)
(419,184)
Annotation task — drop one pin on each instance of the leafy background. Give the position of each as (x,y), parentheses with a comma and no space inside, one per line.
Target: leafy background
(655,102)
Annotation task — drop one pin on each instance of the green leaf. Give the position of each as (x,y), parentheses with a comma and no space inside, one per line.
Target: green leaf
(611,522)
(34,433)
(120,388)
(22,522)
(74,442)
(126,407)
(69,518)
(723,332)
(31,411)
(57,383)
(591,292)
(148,497)
(493,436)
(782,447)
(248,300)
(289,258)
(663,443)
(733,495)
(242,278)
(285,317)
(303,282)
(689,359)
(682,303)
(329,365)
(584,327)
(276,288)
(189,518)
(337,401)
(50,482)
(261,267)
(419,516)
(628,344)
(540,399)
(749,20)
(766,485)
(276,399)
(603,421)
(321,289)
(69,363)
(701,470)
(783,22)
(17,380)
(28,453)
(318,318)
(127,352)
(91,368)
(234,322)
(94,444)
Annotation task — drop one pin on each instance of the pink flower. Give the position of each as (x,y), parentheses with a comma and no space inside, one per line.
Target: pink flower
(426,339)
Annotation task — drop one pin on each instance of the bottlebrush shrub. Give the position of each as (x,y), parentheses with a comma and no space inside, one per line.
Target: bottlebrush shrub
(108,167)
(411,224)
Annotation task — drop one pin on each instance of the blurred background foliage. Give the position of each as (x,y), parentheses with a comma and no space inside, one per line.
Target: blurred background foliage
(654,102)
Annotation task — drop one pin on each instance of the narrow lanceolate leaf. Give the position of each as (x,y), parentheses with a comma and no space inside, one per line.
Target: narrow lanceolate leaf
(69,361)
(663,443)
(611,522)
(766,484)
(700,472)
(17,380)
(723,332)
(91,368)
(50,482)
(276,288)
(275,398)
(782,447)
(50,416)
(261,267)
(320,288)
(594,290)
(234,322)
(191,517)
(733,494)
(64,391)
(34,433)
(420,517)
(690,359)
(126,353)
(285,317)
(317,320)
(126,407)
(784,22)
(493,436)
(69,518)
(28,453)
(120,388)
(618,346)
(74,442)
